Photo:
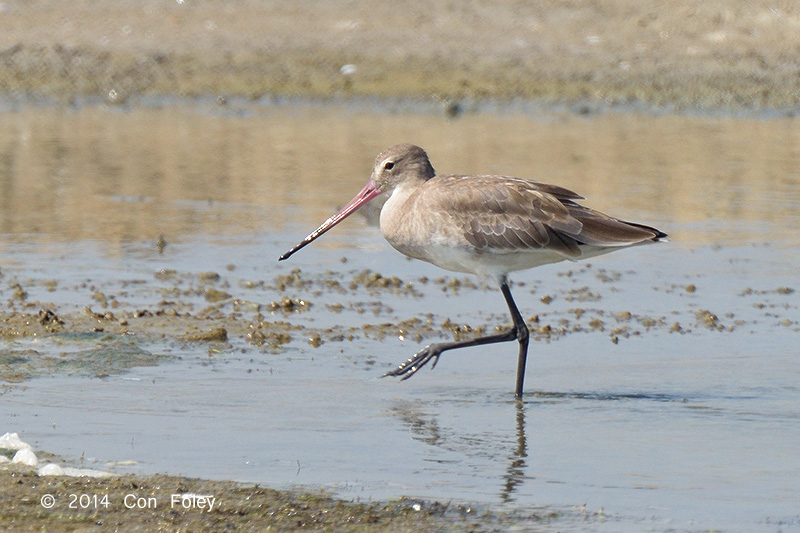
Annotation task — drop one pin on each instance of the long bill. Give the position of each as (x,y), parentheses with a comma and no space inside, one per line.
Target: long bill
(369,192)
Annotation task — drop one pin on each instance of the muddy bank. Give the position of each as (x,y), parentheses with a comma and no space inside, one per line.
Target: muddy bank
(136,503)
(724,55)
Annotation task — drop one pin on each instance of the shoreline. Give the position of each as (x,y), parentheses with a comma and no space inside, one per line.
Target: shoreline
(58,503)
(717,57)
(450,109)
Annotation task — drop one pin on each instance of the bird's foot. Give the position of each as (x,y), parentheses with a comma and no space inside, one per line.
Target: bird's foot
(422,358)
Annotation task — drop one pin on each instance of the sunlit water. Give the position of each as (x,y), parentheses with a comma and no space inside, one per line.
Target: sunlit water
(660,430)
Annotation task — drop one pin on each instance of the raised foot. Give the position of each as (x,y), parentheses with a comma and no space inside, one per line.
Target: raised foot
(422,358)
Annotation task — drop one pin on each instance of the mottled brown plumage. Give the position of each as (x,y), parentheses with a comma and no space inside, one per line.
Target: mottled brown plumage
(486,225)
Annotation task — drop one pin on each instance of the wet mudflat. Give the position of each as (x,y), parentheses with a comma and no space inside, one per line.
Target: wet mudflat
(147,327)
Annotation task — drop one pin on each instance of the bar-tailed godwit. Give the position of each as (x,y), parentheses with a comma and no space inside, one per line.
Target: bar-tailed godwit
(484,225)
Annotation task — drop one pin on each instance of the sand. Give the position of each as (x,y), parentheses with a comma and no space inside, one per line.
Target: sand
(681,55)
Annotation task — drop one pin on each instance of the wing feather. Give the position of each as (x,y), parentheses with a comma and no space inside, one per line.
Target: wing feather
(512,214)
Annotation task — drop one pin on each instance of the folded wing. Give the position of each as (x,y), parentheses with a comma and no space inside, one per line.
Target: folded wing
(500,214)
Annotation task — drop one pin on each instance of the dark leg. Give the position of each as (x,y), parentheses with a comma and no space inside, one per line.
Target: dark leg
(522,337)
(518,332)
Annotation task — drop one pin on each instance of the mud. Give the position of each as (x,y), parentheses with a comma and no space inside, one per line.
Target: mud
(721,55)
(107,336)
(136,503)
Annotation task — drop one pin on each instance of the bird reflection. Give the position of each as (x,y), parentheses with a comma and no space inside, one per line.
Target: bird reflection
(425,428)
(515,473)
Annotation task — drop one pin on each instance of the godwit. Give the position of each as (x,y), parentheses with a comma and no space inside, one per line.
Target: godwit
(484,225)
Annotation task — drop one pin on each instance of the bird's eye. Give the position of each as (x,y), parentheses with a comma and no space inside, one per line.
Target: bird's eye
(389,165)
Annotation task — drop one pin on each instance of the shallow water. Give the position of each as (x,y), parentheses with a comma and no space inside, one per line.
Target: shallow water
(664,396)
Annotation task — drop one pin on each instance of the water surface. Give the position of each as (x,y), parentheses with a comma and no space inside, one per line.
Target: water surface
(662,382)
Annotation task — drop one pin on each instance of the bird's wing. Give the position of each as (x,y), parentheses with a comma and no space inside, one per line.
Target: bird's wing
(600,229)
(512,214)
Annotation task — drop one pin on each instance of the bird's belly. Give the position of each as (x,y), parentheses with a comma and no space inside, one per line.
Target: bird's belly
(489,263)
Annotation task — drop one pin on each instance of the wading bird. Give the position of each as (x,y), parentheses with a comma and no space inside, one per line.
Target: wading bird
(484,225)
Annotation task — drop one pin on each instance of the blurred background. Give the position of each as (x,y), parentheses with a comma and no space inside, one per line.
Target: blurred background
(687,54)
(113,111)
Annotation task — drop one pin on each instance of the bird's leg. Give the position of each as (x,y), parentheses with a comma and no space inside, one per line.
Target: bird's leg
(433,351)
(522,337)
(518,332)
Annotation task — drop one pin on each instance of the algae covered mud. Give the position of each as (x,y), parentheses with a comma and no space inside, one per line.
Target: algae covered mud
(147,326)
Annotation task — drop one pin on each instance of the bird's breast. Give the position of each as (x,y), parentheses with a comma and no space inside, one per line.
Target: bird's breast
(418,229)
